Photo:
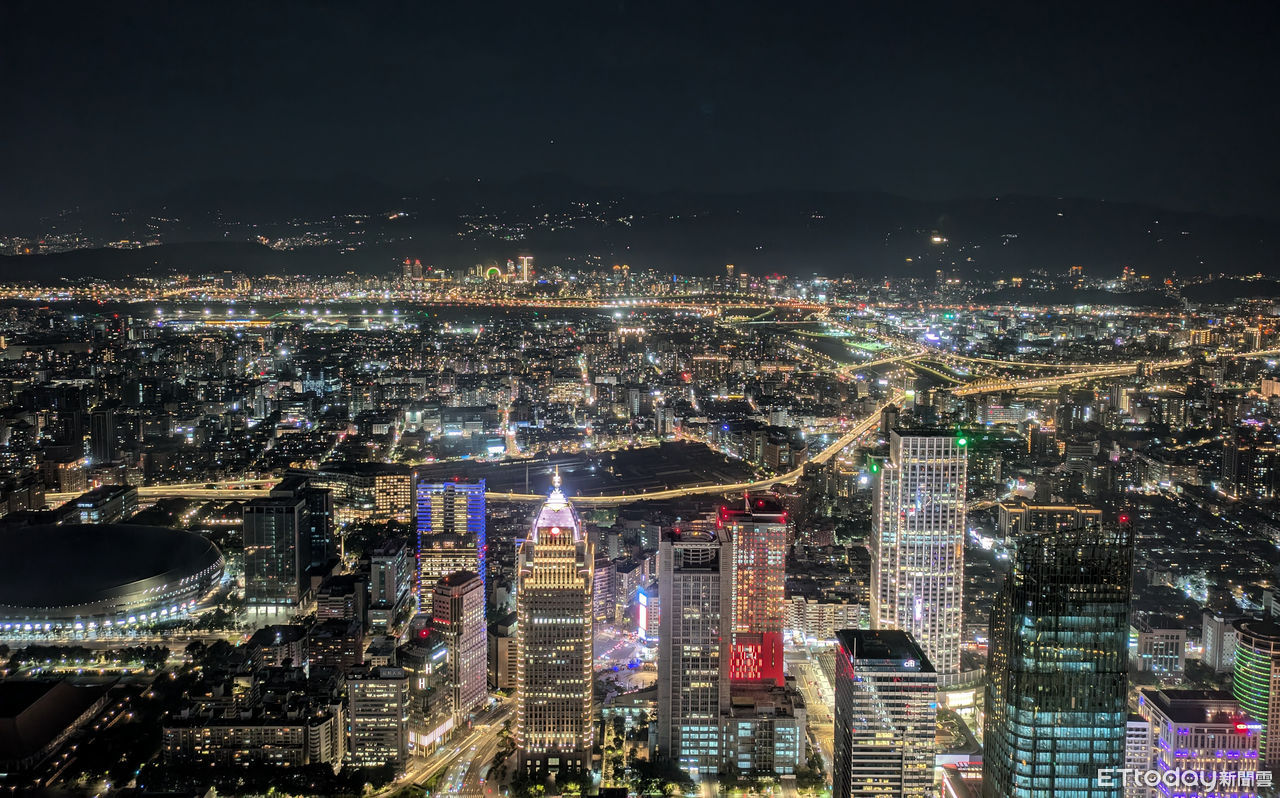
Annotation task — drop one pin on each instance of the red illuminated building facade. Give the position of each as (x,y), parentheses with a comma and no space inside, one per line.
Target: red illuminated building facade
(758,531)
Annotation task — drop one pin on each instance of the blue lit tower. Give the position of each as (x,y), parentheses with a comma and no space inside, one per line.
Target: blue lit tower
(451,533)
(1056,700)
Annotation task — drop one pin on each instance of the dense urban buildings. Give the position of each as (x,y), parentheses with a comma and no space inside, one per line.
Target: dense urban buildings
(507,401)
(366,494)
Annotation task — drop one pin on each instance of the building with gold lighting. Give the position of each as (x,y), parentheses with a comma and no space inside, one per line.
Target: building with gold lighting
(554,719)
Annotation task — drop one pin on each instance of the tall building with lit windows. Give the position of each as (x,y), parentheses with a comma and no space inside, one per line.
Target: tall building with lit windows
(886,716)
(695,575)
(1255,681)
(917,547)
(378,714)
(554,715)
(758,531)
(1058,665)
(458,615)
(451,533)
(1251,462)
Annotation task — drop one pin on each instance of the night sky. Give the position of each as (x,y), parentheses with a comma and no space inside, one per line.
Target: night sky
(1169,103)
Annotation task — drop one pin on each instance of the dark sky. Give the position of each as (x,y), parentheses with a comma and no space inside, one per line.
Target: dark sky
(1171,103)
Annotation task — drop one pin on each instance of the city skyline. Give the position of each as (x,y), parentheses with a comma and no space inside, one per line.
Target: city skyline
(614,400)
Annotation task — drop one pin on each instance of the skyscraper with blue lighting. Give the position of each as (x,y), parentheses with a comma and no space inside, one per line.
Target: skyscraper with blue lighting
(451,533)
(1056,699)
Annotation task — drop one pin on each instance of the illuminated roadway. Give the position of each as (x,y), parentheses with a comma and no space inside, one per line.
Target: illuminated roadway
(240,489)
(1096,373)
(253,488)
(861,428)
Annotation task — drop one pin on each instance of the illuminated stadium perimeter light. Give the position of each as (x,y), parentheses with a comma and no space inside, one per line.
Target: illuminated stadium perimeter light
(98,578)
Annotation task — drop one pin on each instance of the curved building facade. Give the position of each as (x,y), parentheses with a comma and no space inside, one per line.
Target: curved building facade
(1253,684)
(101,577)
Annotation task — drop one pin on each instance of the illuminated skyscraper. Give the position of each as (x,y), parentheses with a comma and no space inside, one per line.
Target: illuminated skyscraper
(1250,463)
(451,534)
(1256,680)
(459,617)
(554,724)
(917,549)
(378,711)
(1056,698)
(758,532)
(285,533)
(272,556)
(886,716)
(695,574)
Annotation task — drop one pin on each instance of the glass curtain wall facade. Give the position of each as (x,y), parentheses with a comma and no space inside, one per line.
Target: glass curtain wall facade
(1056,708)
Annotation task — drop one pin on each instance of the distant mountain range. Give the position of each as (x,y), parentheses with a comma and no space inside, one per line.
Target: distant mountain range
(359,225)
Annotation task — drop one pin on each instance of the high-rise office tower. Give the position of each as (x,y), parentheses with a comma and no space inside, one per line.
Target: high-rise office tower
(391,586)
(285,533)
(1250,462)
(272,557)
(451,533)
(917,547)
(102,434)
(1056,708)
(1256,680)
(378,712)
(459,617)
(554,580)
(1019,518)
(758,531)
(317,542)
(886,716)
(695,575)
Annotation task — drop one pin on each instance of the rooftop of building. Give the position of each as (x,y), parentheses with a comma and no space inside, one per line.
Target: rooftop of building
(891,647)
(756,504)
(1156,622)
(278,634)
(34,713)
(962,781)
(1195,706)
(457,579)
(65,566)
(103,492)
(753,699)
(366,468)
(1259,628)
(377,672)
(690,535)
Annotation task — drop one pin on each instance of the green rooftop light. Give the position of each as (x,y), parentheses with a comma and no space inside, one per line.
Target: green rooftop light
(962,441)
